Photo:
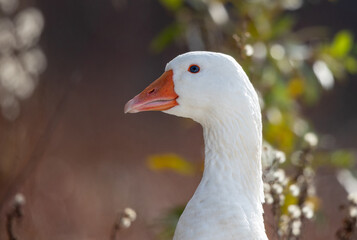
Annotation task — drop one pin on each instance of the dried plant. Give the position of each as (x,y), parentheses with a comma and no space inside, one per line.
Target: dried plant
(123,221)
(21,58)
(14,214)
(289,215)
(348,229)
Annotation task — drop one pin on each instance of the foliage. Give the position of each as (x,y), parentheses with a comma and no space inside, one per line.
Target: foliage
(289,67)
(169,222)
(21,59)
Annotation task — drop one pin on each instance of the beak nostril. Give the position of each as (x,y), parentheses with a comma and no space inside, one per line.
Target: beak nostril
(151,91)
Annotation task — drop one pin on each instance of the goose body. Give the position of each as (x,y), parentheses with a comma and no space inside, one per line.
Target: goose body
(212,89)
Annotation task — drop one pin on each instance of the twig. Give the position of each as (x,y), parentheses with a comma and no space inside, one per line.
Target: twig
(15,213)
(305,161)
(115,229)
(288,225)
(348,228)
(123,221)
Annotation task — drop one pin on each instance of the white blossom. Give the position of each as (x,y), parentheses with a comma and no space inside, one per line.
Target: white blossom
(284,224)
(296,227)
(34,61)
(260,51)
(280,156)
(352,197)
(279,175)
(274,116)
(218,12)
(21,60)
(277,188)
(9,6)
(353,211)
(311,190)
(309,172)
(268,198)
(294,211)
(311,139)
(7,38)
(249,50)
(300,126)
(277,51)
(281,199)
(294,189)
(130,213)
(295,157)
(19,199)
(323,74)
(284,219)
(285,181)
(292,4)
(308,211)
(29,25)
(125,222)
(267,187)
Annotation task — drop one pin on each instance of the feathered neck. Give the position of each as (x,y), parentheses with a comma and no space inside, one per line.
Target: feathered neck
(233,156)
(227,204)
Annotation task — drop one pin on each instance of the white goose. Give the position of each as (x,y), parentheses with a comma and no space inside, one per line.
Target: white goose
(212,89)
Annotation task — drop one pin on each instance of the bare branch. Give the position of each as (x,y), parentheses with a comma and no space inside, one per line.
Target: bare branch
(15,213)
(124,220)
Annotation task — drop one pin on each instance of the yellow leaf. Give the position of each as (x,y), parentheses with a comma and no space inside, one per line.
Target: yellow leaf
(280,136)
(289,200)
(171,161)
(314,201)
(342,44)
(296,87)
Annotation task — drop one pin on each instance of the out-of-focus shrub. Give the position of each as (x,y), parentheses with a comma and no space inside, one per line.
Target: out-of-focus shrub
(290,68)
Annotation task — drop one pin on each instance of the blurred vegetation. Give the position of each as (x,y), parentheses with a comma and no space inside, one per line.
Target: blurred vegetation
(289,67)
(22,61)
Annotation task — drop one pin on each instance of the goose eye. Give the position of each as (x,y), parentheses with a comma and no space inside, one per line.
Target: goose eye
(194,69)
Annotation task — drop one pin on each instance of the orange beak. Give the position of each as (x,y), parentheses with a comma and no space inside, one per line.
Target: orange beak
(158,96)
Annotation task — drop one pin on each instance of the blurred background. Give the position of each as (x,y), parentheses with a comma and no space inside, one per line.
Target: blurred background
(68,67)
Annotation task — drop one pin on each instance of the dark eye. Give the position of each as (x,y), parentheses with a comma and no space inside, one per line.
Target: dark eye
(194,69)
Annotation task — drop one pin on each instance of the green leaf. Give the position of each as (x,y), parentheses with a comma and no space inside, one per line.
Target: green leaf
(342,158)
(354,50)
(351,65)
(289,200)
(312,87)
(280,95)
(169,223)
(338,159)
(171,4)
(283,25)
(165,38)
(342,44)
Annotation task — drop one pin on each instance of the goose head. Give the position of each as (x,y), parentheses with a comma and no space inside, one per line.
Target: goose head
(197,85)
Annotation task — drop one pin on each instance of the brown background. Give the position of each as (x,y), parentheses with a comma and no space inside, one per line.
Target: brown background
(79,160)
